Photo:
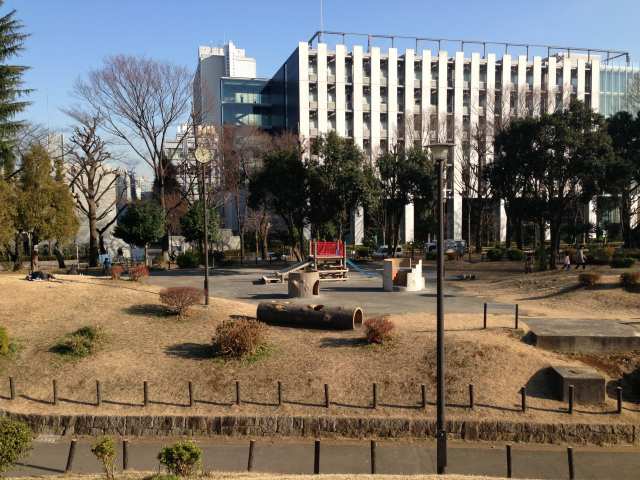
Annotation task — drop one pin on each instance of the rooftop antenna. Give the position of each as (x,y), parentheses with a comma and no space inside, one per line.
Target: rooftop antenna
(321,20)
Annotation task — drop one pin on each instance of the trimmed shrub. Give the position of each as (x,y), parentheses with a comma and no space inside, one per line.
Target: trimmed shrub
(188,259)
(138,272)
(79,344)
(622,262)
(630,280)
(362,251)
(515,254)
(180,299)
(589,279)
(237,338)
(378,329)
(4,341)
(182,458)
(495,254)
(15,442)
(105,451)
(116,272)
(602,256)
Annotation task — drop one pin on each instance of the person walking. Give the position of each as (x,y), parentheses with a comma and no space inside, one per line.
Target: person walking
(567,261)
(580,258)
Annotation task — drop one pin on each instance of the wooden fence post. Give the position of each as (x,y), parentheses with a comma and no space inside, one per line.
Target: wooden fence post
(619,399)
(190,388)
(238,399)
(570,461)
(471,402)
(55,392)
(12,388)
(571,398)
(509,470)
(279,393)
(373,457)
(517,316)
(145,393)
(98,394)
(316,457)
(375,395)
(485,316)
(250,460)
(125,454)
(327,401)
(423,392)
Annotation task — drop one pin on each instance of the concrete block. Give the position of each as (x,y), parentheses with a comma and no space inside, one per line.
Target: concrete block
(588,385)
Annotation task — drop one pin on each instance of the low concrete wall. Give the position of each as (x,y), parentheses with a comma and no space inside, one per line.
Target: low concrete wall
(342,427)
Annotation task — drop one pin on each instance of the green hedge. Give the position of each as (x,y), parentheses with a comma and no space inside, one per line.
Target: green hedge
(188,259)
(495,254)
(515,254)
(622,262)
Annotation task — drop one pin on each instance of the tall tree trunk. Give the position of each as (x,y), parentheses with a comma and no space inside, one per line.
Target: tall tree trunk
(542,260)
(59,256)
(17,263)
(554,227)
(625,218)
(93,234)
(163,205)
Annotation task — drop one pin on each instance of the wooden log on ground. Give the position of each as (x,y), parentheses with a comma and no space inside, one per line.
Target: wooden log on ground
(304,284)
(310,316)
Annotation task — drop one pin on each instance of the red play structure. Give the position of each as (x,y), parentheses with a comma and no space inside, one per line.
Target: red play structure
(329,259)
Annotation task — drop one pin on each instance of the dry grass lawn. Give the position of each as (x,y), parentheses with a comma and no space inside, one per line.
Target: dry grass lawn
(143,342)
(264,476)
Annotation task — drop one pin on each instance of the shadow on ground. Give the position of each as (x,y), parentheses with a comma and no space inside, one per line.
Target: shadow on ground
(149,309)
(192,351)
(336,342)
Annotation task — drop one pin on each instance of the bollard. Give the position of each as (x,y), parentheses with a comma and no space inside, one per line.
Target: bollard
(237,392)
(98,394)
(471,396)
(55,392)
(70,456)
(373,457)
(570,460)
(125,454)
(485,316)
(523,394)
(423,391)
(375,395)
(316,458)
(517,316)
(619,398)
(570,398)
(250,461)
(145,393)
(509,461)
(326,396)
(279,394)
(190,387)
(12,389)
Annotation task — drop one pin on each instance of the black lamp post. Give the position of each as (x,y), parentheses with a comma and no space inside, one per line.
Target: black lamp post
(203,156)
(440,153)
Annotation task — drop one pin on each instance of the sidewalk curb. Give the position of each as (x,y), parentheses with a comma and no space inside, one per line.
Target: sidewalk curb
(325,426)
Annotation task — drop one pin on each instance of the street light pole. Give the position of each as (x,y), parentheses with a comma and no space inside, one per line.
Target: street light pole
(440,154)
(441,433)
(203,156)
(206,235)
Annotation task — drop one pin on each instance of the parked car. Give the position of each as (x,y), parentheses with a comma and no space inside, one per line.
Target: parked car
(459,246)
(383,252)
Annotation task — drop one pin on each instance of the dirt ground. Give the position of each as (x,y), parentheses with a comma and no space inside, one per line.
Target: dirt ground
(262,476)
(143,342)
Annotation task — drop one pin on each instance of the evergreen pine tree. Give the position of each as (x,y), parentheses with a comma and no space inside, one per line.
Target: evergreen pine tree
(11,84)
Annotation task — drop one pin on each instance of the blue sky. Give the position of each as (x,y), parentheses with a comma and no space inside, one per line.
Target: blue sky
(70,37)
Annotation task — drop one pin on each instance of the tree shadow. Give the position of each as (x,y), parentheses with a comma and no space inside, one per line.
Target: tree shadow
(39,467)
(149,309)
(260,403)
(123,404)
(241,317)
(337,342)
(37,400)
(266,296)
(76,402)
(192,351)
(168,404)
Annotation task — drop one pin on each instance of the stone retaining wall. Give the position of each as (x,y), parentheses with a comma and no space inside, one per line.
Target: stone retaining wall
(340,427)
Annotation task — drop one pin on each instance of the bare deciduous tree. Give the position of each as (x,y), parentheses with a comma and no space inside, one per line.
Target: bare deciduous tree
(140,100)
(92,179)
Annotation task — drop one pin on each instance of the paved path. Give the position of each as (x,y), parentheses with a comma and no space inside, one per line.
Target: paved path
(393,457)
(236,283)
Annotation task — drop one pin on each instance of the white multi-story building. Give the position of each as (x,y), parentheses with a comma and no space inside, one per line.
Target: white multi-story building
(385,97)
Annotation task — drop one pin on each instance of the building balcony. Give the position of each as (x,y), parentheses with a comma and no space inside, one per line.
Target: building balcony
(366,134)
(384,133)
(383,107)
(366,107)
(366,80)
(417,83)
(331,105)
(434,83)
(313,77)
(383,81)
(313,131)
(313,104)
(331,78)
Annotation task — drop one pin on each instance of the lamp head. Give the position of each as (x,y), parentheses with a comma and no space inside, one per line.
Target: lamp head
(440,151)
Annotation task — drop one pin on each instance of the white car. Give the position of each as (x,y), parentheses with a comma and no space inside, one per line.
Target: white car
(383,252)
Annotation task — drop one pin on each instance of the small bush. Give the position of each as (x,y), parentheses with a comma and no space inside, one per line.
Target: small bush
(362,251)
(630,280)
(79,344)
(105,451)
(182,458)
(188,259)
(138,272)
(632,253)
(431,255)
(602,256)
(622,262)
(236,338)
(378,329)
(4,341)
(589,279)
(180,299)
(162,476)
(495,254)
(15,442)
(116,272)
(515,254)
